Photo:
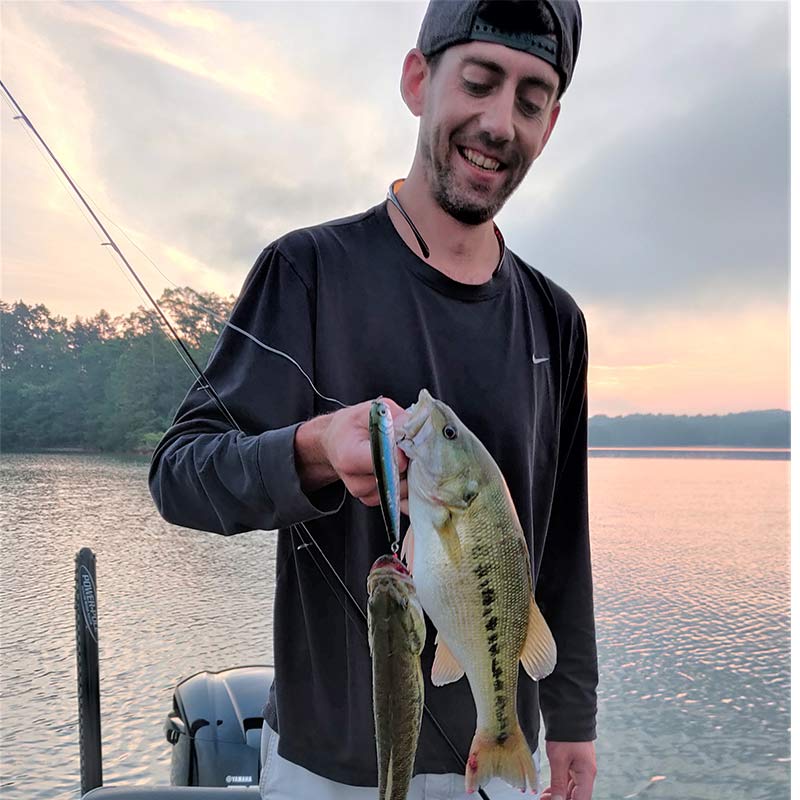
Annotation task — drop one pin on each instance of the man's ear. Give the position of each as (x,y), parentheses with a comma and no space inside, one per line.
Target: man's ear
(553,117)
(414,81)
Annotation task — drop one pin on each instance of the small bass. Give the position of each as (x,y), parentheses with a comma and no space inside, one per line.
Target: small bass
(472,571)
(396,637)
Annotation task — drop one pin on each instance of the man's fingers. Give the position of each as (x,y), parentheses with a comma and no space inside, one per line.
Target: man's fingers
(361,486)
(371,500)
(355,465)
(584,782)
(402,461)
(559,779)
(398,412)
(573,766)
(399,415)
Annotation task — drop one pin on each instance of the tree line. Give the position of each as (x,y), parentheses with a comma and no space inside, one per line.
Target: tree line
(114,384)
(770,428)
(109,384)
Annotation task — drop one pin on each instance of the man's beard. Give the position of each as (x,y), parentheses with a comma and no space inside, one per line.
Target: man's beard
(453,202)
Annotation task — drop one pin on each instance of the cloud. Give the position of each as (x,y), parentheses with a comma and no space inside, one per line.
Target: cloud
(677,194)
(216,133)
(208,130)
(677,361)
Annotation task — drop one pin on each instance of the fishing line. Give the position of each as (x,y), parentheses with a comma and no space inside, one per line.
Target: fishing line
(60,179)
(307,546)
(227,323)
(199,375)
(209,389)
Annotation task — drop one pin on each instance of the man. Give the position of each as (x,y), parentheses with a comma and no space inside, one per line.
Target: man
(416,292)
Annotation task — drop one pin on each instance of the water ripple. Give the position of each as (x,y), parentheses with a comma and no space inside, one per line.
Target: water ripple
(691,573)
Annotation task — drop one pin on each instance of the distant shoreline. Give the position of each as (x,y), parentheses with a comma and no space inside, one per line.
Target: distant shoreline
(730,452)
(75,451)
(746,430)
(705,451)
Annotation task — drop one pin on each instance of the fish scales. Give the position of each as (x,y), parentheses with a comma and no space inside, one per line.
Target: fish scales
(472,571)
(396,637)
(489,652)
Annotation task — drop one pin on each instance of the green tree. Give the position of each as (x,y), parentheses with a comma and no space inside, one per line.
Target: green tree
(99,383)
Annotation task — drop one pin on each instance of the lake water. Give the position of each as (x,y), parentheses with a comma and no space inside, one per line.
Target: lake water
(691,564)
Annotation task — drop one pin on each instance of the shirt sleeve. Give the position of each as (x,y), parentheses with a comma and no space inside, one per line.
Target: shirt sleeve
(568,697)
(209,475)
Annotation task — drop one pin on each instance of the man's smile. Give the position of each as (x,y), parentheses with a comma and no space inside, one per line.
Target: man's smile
(481,160)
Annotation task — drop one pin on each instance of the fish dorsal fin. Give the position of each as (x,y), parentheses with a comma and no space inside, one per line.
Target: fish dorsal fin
(407,550)
(539,651)
(449,536)
(445,667)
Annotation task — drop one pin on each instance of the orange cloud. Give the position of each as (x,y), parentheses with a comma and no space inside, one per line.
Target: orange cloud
(699,363)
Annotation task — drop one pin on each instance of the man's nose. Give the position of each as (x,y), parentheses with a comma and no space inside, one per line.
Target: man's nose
(498,117)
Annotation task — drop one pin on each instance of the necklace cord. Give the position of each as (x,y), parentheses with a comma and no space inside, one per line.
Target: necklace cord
(392,197)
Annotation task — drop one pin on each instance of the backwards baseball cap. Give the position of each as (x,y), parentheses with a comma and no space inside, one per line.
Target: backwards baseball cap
(449,22)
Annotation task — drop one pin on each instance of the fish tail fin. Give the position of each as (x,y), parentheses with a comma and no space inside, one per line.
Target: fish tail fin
(507,757)
(388,782)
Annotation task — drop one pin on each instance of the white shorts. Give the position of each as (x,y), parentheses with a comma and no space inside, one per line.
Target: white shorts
(283,780)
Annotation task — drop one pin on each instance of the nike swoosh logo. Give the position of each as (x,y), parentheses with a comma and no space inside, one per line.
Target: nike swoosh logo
(540,360)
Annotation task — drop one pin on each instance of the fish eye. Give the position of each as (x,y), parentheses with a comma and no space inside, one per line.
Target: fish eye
(449,432)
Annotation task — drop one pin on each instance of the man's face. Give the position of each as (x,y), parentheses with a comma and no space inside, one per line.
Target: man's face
(488,112)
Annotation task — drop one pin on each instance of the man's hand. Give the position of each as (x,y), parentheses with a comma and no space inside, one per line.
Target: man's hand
(336,446)
(573,766)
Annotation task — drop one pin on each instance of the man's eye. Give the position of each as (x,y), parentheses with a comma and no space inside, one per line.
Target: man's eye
(529,109)
(478,89)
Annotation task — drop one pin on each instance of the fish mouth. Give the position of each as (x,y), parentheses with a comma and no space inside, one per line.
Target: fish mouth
(417,415)
(415,432)
(389,564)
(390,576)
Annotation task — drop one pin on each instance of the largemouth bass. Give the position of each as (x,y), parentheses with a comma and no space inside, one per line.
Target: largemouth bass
(396,638)
(472,571)
(384,461)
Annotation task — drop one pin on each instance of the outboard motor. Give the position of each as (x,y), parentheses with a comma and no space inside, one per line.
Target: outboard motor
(215,727)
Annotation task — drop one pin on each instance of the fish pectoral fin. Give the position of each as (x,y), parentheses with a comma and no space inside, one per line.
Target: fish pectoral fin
(407,550)
(446,668)
(539,651)
(449,536)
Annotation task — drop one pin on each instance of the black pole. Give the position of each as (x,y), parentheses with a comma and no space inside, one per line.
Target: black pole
(88,670)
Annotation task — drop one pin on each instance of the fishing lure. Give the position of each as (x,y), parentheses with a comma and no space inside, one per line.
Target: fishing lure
(387,471)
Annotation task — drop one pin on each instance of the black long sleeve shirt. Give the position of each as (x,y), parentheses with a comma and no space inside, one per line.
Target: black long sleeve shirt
(364,316)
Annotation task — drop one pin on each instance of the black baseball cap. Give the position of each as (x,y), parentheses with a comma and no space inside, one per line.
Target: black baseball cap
(449,22)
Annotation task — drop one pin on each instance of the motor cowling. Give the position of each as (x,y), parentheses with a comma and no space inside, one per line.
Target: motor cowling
(215,727)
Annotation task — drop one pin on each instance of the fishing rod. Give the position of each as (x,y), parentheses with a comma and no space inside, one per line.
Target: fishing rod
(185,353)
(206,385)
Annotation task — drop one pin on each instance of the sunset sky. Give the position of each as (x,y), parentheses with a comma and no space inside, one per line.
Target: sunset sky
(206,130)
